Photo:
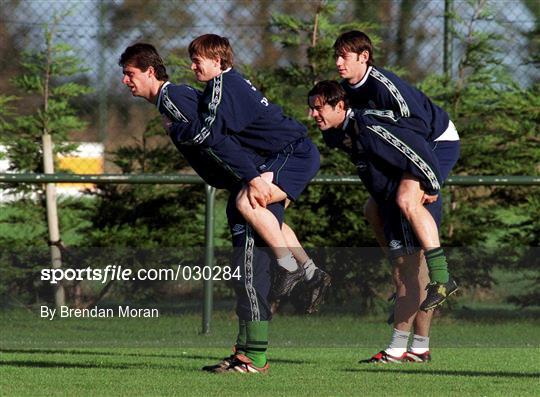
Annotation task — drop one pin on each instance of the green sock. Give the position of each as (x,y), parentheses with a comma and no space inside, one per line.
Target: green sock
(242,336)
(257,342)
(437,265)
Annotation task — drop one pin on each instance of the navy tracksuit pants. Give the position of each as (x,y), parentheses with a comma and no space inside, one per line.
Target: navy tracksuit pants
(255,260)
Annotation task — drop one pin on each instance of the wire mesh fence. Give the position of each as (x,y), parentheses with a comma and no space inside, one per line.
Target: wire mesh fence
(412,34)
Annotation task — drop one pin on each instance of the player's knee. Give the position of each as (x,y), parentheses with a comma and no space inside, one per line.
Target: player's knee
(406,203)
(243,205)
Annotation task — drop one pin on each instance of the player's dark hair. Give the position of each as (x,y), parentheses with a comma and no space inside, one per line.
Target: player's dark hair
(142,56)
(212,46)
(330,91)
(354,41)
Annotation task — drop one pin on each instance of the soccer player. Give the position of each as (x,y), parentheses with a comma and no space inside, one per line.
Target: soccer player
(233,103)
(383,147)
(371,87)
(145,75)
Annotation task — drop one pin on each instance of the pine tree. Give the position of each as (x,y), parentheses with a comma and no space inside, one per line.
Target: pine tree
(44,116)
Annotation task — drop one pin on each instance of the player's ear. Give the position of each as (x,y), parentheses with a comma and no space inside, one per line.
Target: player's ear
(341,106)
(151,71)
(363,57)
(216,62)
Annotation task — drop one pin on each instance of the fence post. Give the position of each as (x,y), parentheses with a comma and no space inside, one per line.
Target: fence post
(102,70)
(208,256)
(447,40)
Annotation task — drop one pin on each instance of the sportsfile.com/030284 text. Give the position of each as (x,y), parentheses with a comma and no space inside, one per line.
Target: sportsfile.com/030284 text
(120,273)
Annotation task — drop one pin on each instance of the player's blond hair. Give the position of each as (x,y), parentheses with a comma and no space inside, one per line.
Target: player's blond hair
(212,46)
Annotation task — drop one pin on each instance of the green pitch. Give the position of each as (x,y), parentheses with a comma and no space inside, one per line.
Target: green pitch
(308,357)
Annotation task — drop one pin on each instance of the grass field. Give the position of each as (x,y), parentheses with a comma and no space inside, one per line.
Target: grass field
(488,354)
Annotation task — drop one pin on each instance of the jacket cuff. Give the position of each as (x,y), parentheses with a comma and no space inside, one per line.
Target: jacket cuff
(250,174)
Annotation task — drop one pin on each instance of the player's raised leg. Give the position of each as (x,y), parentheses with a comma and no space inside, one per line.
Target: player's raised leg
(288,173)
(411,200)
(286,248)
(289,273)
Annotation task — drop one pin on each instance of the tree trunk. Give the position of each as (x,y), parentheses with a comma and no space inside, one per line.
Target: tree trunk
(52,218)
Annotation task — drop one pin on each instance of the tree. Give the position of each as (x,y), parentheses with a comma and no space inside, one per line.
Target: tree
(28,137)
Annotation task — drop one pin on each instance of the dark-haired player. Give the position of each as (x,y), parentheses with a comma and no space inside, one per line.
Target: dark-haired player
(145,75)
(383,147)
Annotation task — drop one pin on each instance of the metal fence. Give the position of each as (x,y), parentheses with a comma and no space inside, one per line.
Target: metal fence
(411,32)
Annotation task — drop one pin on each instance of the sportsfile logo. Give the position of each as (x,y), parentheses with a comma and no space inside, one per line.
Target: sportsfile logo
(110,272)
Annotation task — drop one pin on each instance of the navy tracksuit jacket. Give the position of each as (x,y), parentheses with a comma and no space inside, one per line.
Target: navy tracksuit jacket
(381,89)
(208,156)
